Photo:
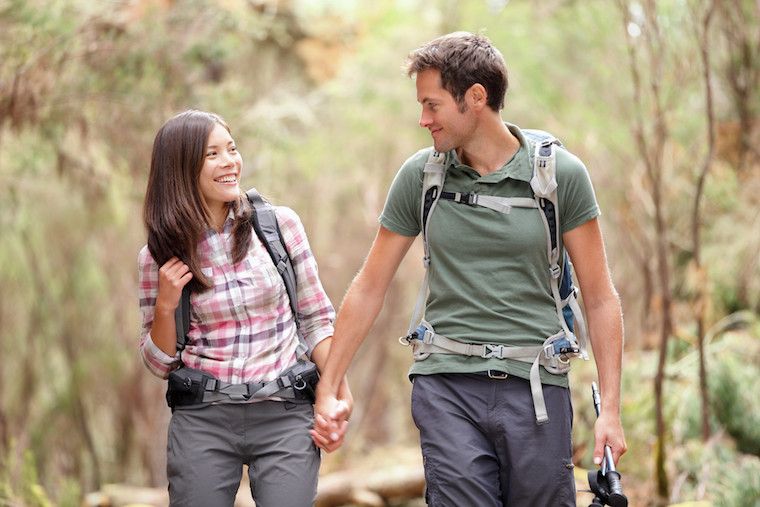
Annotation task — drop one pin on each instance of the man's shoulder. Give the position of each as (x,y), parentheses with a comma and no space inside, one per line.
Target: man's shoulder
(569,164)
(417,160)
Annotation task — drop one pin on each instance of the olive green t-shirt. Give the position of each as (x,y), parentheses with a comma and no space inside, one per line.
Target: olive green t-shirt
(489,273)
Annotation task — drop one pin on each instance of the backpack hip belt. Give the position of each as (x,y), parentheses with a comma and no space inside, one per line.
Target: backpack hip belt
(557,349)
(193,388)
(554,355)
(298,386)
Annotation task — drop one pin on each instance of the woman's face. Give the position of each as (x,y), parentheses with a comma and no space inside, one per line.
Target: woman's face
(220,174)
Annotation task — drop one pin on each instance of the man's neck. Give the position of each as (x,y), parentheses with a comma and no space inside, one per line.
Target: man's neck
(492,147)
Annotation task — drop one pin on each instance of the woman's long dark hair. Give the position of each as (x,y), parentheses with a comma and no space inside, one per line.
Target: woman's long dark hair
(175,213)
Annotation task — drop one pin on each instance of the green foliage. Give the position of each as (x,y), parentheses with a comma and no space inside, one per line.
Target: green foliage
(716,471)
(735,402)
(324,117)
(19,482)
(737,482)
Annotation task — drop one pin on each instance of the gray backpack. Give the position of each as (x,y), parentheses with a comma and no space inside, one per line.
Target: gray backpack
(555,353)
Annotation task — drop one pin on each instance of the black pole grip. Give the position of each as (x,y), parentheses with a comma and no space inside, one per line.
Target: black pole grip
(616,497)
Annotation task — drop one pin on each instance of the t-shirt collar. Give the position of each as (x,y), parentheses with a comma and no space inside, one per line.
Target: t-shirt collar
(519,167)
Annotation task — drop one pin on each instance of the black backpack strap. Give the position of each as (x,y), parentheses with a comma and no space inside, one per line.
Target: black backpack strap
(182,319)
(268,231)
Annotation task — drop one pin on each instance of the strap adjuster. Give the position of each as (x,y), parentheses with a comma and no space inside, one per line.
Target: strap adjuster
(471,198)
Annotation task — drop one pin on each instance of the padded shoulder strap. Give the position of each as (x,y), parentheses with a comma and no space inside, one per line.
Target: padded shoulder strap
(266,227)
(182,319)
(432,185)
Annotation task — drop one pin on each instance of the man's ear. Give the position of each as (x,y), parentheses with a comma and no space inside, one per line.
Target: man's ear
(476,96)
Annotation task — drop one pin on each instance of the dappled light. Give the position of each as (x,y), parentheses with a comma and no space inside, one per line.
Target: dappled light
(659,99)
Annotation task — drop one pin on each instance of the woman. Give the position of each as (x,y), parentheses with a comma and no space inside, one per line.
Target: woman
(242,329)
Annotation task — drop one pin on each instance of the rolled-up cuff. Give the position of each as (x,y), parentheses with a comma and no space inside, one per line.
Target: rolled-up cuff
(158,362)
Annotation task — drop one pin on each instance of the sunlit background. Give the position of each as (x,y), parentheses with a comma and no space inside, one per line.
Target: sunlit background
(660,99)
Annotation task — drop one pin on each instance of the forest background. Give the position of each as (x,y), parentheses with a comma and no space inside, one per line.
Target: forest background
(659,98)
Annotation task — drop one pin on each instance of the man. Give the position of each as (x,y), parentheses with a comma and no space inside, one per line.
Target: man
(489,284)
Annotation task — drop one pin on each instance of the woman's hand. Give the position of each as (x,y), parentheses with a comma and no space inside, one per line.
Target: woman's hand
(330,422)
(172,278)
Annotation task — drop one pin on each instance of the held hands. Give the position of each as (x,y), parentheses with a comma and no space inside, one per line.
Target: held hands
(330,420)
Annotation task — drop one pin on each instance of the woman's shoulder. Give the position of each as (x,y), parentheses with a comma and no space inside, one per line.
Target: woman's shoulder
(144,257)
(286,216)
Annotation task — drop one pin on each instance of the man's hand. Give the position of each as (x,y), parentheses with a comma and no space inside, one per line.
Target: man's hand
(608,430)
(330,421)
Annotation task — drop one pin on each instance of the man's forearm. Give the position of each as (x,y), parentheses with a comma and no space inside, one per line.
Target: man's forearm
(606,334)
(355,318)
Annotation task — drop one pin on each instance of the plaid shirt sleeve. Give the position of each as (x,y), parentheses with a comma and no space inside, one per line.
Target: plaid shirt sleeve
(157,361)
(315,311)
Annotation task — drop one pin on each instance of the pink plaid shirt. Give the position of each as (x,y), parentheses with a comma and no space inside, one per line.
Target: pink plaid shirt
(242,330)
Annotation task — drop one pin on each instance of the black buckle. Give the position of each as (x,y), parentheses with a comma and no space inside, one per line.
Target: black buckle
(569,350)
(470,199)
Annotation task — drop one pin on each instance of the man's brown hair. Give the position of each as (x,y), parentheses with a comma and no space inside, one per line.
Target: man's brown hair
(463,59)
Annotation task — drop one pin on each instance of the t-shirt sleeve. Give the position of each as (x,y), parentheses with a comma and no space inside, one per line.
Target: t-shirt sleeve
(401,213)
(577,200)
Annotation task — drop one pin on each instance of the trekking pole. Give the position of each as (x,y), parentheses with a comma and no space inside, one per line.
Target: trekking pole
(605,483)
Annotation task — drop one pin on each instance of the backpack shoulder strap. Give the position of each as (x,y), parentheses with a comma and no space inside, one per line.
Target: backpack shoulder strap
(544,186)
(182,319)
(433,176)
(264,222)
(267,229)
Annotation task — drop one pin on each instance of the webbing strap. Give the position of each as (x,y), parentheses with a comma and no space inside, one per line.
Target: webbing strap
(216,390)
(544,355)
(182,319)
(544,185)
(433,176)
(494,202)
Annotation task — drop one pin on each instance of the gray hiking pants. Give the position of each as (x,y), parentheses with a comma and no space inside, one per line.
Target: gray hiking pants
(481,445)
(207,448)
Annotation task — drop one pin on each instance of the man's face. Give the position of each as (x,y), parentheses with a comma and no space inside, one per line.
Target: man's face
(448,126)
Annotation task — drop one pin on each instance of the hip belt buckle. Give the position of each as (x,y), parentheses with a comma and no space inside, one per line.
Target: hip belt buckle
(491,351)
